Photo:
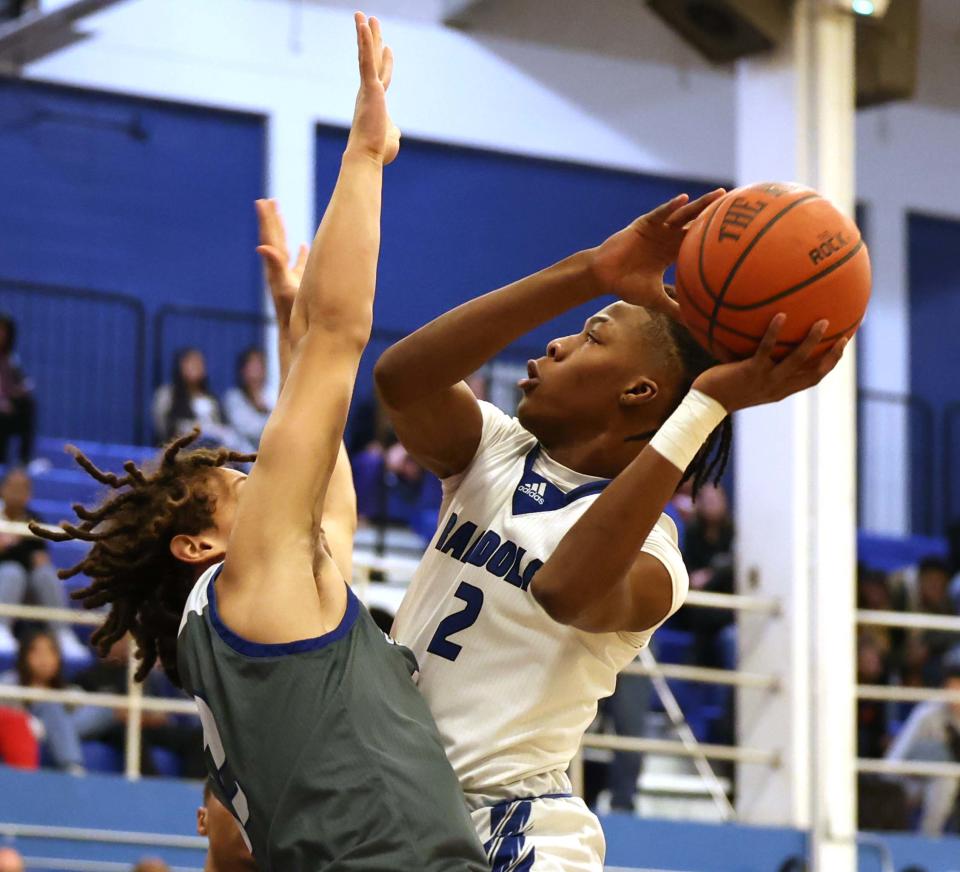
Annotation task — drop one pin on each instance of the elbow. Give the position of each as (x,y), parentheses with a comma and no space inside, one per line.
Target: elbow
(385,378)
(555,601)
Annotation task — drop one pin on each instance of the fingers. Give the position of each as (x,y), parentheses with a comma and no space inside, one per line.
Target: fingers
(272,259)
(377,35)
(661,213)
(365,53)
(832,357)
(386,69)
(801,354)
(301,263)
(769,342)
(666,304)
(685,214)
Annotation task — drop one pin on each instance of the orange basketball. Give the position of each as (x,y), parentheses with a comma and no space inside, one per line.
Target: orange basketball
(768,248)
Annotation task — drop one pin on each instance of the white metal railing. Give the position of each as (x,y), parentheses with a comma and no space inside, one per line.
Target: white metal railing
(913,620)
(102,837)
(894,693)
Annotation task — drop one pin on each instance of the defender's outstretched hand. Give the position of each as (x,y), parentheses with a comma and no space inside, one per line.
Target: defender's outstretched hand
(282,276)
(761,379)
(631,263)
(373,132)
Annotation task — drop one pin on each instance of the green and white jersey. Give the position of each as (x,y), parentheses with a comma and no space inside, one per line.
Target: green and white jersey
(323,749)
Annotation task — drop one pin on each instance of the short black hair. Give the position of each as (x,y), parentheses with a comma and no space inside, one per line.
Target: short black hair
(934,564)
(207,790)
(690,359)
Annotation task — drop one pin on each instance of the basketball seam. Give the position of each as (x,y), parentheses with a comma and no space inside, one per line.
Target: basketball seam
(789,343)
(744,307)
(718,300)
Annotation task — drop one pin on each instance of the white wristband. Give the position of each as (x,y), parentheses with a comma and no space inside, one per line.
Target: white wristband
(682,435)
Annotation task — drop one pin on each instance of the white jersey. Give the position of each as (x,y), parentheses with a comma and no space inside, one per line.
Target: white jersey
(512,690)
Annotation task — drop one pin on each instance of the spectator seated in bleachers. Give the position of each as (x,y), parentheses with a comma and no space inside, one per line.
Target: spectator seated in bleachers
(26,572)
(932,732)
(162,734)
(18,744)
(933,597)
(151,864)
(187,402)
(246,405)
(872,715)
(39,665)
(708,555)
(11,861)
(17,406)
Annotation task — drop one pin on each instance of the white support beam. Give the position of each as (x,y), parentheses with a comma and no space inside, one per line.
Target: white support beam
(795,462)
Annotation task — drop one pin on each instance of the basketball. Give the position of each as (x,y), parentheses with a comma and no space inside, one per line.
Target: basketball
(768,248)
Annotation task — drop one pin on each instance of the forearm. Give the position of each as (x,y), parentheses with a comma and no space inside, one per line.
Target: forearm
(598,552)
(595,575)
(456,344)
(340,276)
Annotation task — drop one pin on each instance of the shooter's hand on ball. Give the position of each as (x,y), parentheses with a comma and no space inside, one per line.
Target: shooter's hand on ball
(761,379)
(631,263)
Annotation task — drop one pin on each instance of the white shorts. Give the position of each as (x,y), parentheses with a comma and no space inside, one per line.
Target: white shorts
(553,833)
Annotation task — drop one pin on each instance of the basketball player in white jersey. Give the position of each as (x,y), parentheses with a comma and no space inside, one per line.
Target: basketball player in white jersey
(553,562)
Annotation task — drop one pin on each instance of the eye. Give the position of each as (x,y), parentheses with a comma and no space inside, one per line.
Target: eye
(592,337)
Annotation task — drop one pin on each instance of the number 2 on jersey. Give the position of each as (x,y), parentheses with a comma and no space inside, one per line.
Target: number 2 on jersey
(466,617)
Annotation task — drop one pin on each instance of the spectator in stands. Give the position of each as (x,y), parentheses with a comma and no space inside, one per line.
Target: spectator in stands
(872,730)
(11,861)
(18,744)
(933,597)
(183,736)
(151,864)
(17,406)
(227,851)
(26,571)
(187,402)
(246,404)
(708,554)
(953,538)
(39,665)
(932,732)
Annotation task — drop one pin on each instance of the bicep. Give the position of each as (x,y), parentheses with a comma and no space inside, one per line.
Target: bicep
(441,432)
(642,599)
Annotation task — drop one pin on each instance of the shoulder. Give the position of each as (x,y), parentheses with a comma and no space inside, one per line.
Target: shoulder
(502,439)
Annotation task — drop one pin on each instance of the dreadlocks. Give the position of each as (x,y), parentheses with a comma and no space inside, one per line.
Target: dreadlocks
(691,360)
(130,563)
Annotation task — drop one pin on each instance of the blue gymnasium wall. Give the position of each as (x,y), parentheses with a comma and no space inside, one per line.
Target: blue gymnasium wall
(150,199)
(168,807)
(461,221)
(934,350)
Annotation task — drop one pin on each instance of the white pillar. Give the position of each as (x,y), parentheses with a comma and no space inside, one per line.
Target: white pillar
(796,508)
(290,178)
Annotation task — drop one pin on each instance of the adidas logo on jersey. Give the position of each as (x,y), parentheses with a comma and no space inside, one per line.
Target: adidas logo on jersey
(534,491)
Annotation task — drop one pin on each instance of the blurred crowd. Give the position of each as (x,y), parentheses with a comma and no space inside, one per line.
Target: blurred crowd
(393,490)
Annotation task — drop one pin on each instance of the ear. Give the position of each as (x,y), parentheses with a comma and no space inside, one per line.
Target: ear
(202,822)
(200,549)
(642,391)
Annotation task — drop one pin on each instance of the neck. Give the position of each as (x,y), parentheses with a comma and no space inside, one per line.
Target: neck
(605,455)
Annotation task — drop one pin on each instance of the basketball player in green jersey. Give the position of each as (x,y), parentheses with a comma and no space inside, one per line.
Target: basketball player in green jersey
(317,740)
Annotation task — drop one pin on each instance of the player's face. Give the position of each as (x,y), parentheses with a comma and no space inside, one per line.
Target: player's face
(578,385)
(227,852)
